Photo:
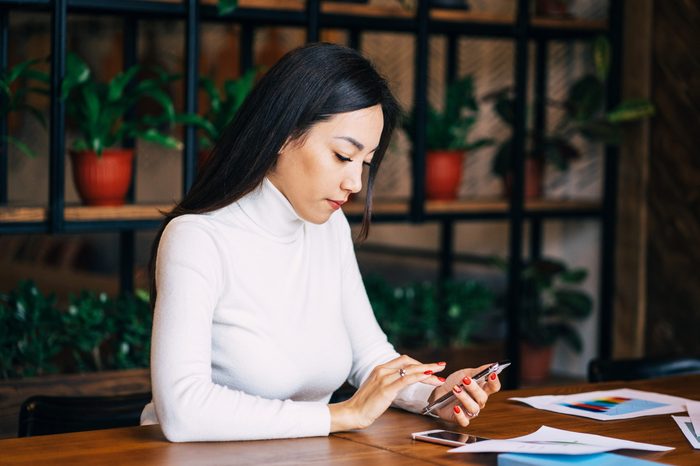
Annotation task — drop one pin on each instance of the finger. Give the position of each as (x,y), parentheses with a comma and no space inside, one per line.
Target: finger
(459,416)
(493,384)
(471,407)
(411,378)
(475,391)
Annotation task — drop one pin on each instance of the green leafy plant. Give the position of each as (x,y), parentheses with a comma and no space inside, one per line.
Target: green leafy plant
(16,101)
(583,114)
(428,315)
(98,110)
(31,328)
(223,105)
(98,332)
(86,327)
(551,301)
(451,128)
(131,343)
(226,6)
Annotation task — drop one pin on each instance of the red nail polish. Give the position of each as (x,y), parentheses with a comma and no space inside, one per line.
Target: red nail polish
(457,410)
(428,372)
(441,379)
(457,388)
(493,376)
(467,381)
(442,363)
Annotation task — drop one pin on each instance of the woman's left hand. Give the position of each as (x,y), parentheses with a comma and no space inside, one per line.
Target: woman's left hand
(470,398)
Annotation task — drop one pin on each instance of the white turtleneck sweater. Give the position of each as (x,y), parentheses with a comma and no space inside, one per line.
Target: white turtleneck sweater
(260,316)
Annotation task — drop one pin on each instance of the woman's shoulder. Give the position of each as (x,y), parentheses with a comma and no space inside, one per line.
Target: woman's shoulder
(191,227)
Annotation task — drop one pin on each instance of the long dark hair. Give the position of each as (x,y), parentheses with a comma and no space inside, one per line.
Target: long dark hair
(308,85)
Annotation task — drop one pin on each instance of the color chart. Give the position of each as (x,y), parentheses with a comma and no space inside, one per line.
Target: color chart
(614,405)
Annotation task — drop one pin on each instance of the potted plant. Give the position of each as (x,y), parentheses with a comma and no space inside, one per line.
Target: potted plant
(551,300)
(583,115)
(102,171)
(447,139)
(12,101)
(222,107)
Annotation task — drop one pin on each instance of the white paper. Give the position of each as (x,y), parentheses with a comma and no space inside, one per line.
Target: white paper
(688,430)
(694,414)
(557,441)
(608,405)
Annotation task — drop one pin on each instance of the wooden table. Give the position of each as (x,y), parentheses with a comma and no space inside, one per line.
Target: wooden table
(386,442)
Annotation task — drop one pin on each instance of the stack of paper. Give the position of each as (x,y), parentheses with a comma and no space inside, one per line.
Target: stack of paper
(557,441)
(608,405)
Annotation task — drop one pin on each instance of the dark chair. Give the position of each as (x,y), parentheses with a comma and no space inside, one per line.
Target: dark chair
(601,370)
(42,415)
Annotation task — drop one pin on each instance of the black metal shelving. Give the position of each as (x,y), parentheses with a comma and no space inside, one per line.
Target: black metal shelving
(314,16)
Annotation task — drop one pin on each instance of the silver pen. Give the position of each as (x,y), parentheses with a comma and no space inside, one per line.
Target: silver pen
(496,367)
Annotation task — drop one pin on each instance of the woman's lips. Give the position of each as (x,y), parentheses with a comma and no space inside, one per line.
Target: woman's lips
(335,204)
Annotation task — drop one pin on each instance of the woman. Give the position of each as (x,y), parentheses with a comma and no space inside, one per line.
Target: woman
(260,311)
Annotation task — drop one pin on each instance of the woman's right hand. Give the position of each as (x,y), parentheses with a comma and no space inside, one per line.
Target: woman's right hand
(379,391)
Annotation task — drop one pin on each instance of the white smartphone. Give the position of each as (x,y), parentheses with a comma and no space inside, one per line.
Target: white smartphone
(446,437)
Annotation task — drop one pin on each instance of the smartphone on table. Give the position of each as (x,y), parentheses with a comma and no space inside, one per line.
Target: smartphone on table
(446,437)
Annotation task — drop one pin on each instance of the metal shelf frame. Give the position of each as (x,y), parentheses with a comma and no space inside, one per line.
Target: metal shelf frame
(522,32)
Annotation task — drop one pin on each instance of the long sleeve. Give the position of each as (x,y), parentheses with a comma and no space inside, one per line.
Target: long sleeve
(370,346)
(189,405)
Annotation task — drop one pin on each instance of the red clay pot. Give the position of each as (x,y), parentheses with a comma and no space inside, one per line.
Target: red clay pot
(534,172)
(535,362)
(103,180)
(443,173)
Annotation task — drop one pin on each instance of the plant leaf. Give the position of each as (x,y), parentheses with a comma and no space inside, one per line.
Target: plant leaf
(601,57)
(214,97)
(117,85)
(631,110)
(77,73)
(585,98)
(226,6)
(153,135)
(25,149)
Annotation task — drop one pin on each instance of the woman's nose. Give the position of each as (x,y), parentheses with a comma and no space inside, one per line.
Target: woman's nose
(352,180)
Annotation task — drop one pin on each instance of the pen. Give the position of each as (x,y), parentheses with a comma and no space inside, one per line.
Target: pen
(496,367)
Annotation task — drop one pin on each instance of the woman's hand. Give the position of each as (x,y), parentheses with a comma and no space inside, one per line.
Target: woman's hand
(380,390)
(470,398)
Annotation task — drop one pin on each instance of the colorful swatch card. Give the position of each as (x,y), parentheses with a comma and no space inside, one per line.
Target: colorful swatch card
(688,430)
(623,403)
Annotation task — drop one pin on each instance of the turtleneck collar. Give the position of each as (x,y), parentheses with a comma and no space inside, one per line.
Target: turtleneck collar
(267,207)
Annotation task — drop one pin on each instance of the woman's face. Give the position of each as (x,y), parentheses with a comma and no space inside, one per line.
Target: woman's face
(318,173)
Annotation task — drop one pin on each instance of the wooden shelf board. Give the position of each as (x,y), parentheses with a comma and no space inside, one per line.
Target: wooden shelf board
(22,214)
(468,206)
(85,213)
(470,16)
(125,212)
(152,211)
(569,23)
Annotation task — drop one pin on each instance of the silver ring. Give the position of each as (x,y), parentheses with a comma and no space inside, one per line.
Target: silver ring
(402,372)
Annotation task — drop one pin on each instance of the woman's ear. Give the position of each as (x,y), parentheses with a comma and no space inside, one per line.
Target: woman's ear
(285,146)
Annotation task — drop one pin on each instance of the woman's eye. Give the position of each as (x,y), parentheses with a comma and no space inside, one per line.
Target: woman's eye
(367,164)
(344,159)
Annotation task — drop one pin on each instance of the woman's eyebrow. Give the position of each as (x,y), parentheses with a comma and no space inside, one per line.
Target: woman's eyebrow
(354,142)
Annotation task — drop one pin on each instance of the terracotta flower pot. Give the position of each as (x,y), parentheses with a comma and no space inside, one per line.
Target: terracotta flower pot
(534,173)
(535,362)
(443,173)
(103,180)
